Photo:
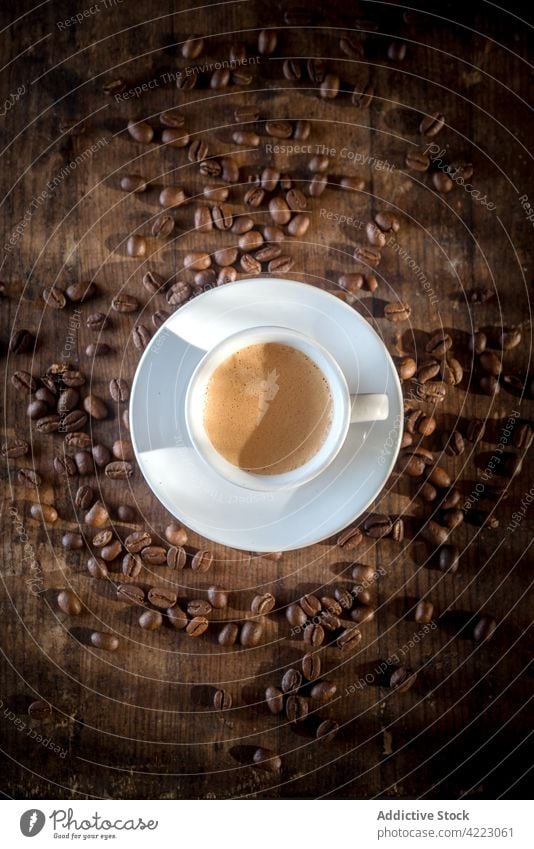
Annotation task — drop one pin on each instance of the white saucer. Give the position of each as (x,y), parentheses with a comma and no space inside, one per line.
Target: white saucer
(198,496)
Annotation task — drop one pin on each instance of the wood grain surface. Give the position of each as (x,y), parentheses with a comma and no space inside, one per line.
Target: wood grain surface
(140,722)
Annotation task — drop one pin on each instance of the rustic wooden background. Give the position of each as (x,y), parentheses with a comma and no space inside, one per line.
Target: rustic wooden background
(139,723)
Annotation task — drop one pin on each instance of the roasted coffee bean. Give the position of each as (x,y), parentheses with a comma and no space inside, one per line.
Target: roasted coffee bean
(323,691)
(97,516)
(267,41)
(426,425)
(316,69)
(424,612)
(329,88)
(222,700)
(448,558)
(36,409)
(125,303)
(13,448)
(267,253)
(98,349)
(296,708)
(362,614)
(111,552)
(202,561)
(198,150)
(163,225)
(509,338)
(119,390)
(65,466)
(73,378)
(136,246)
(67,401)
(29,477)
(291,681)
(246,114)
(397,51)
(428,493)
(197,626)
(274,699)
(250,241)
(401,679)
(210,168)
(133,183)
(279,129)
(298,226)
(301,130)
(433,391)
(451,498)
(122,449)
(131,565)
(68,602)
(254,197)
(452,372)
(162,597)
(475,430)
(295,615)
(363,97)
(153,282)
(251,633)
(327,730)
(97,568)
(330,622)
(192,47)
(130,593)
(344,597)
(416,160)
(349,638)
(314,635)
(484,628)
(172,118)
(81,292)
(439,477)
(219,78)
(478,342)
(136,541)
(311,666)
(249,264)
(291,69)
(442,182)
(351,48)
(45,395)
(279,210)
(96,407)
(247,138)
(350,538)
(39,710)
(360,594)
(96,321)
(228,634)
(310,605)
(317,185)
(84,497)
(319,164)
(141,336)
(175,534)
(452,518)
(273,234)
(267,760)
(222,218)
(175,137)
(155,555)
(397,531)
(218,597)
(203,220)
(428,370)
(119,470)
(151,620)
(439,344)
(281,265)
(351,282)
(397,311)
(263,604)
(102,538)
(54,297)
(178,293)
(101,455)
(23,381)
(432,124)
(72,541)
(21,342)
(104,640)
(434,534)
(331,605)
(159,318)
(491,363)
(140,131)
(377,526)
(489,385)
(229,170)
(388,222)
(199,607)
(363,574)
(454,445)
(177,617)
(375,235)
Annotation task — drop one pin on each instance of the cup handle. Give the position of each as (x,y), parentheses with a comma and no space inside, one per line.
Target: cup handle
(369,408)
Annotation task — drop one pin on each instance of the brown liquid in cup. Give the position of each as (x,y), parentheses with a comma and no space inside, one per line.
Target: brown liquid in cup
(268,408)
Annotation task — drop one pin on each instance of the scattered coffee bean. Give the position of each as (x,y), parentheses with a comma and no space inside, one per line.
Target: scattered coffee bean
(251,633)
(162,597)
(136,246)
(349,638)
(154,555)
(484,628)
(163,225)
(23,381)
(267,760)
(119,470)
(424,612)
(202,561)
(218,597)
(54,297)
(327,730)
(432,124)
(448,558)
(29,477)
(97,516)
(140,131)
(133,183)
(291,681)
(314,635)
(323,691)
(263,604)
(21,342)
(69,602)
(130,593)
(197,626)
(350,538)
(228,634)
(151,620)
(442,182)
(39,710)
(274,699)
(131,565)
(397,311)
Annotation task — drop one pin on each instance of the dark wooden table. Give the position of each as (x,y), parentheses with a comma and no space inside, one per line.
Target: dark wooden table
(139,723)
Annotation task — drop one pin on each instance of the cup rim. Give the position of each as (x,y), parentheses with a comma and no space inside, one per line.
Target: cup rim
(325,454)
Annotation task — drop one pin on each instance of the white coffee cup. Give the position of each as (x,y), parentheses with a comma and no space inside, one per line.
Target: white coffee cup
(346,408)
